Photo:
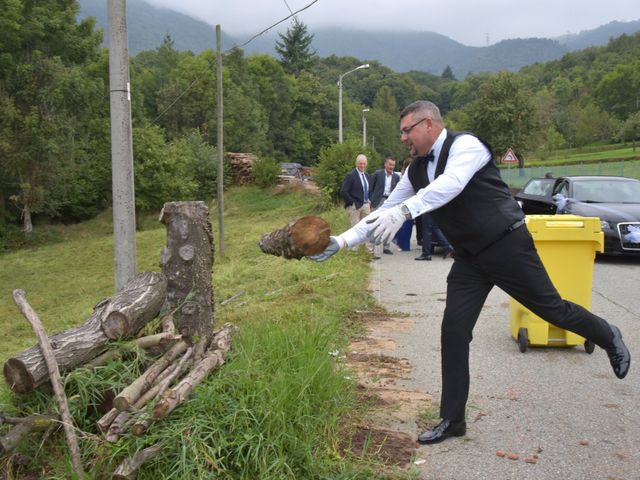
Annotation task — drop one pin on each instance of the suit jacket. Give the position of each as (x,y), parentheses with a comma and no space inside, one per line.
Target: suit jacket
(376,187)
(351,189)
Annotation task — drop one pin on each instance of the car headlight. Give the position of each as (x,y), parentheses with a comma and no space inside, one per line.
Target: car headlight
(604,225)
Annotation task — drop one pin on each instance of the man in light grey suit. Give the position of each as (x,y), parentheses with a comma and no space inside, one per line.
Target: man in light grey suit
(382,184)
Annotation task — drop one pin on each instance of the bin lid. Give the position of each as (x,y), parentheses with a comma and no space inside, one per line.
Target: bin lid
(566,228)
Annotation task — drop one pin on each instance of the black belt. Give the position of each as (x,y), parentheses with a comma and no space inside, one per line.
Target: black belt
(515,226)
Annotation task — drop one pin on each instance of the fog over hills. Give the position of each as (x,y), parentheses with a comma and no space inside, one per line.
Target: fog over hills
(422,51)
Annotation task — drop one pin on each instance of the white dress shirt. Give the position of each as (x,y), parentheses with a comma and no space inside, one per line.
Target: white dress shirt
(466,157)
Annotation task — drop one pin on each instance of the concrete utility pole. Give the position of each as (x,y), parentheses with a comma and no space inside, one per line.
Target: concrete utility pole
(220,143)
(124,216)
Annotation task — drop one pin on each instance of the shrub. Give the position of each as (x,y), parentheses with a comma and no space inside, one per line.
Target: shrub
(266,171)
(336,161)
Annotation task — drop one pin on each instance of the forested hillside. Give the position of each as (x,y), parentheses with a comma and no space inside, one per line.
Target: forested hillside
(54,95)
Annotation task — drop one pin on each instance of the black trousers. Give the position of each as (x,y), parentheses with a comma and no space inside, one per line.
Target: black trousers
(514,266)
(430,230)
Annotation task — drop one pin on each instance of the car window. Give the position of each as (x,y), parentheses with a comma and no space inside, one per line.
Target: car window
(562,188)
(538,187)
(606,191)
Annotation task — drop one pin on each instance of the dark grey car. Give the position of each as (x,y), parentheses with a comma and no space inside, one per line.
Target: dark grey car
(615,200)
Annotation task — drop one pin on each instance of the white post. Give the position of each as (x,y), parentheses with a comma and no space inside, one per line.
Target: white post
(364,127)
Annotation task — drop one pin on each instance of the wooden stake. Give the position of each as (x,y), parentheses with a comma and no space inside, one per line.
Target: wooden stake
(20,298)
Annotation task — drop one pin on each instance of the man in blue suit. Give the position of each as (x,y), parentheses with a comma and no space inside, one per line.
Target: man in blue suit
(382,184)
(355,191)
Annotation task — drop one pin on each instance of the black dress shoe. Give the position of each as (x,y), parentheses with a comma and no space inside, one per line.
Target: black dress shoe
(423,257)
(387,251)
(619,355)
(442,431)
(448,253)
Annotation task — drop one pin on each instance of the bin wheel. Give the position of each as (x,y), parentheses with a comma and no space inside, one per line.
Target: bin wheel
(523,340)
(589,346)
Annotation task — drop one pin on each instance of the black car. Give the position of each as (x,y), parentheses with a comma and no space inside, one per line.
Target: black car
(615,200)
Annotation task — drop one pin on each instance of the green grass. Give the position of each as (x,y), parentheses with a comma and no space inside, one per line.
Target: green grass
(280,405)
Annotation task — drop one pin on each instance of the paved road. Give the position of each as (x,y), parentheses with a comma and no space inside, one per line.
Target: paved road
(560,400)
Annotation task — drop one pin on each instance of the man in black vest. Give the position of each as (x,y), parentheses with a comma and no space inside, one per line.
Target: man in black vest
(454,177)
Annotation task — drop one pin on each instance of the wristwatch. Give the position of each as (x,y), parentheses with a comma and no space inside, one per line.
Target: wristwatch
(405,211)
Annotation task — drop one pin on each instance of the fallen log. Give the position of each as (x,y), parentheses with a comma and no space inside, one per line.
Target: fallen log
(79,345)
(299,238)
(187,261)
(22,428)
(137,303)
(128,469)
(76,346)
(20,299)
(133,392)
(213,358)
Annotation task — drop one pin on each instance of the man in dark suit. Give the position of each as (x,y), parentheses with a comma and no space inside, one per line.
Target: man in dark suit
(383,182)
(355,191)
(454,176)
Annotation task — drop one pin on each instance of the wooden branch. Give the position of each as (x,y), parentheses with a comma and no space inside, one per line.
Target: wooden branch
(215,357)
(22,427)
(232,298)
(20,299)
(117,427)
(155,340)
(143,342)
(131,393)
(107,419)
(128,469)
(299,238)
(137,303)
(167,324)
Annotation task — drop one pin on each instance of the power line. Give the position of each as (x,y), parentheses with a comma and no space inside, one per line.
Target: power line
(275,24)
(293,14)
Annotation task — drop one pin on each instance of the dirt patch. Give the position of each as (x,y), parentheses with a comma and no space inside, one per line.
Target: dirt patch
(390,433)
(386,446)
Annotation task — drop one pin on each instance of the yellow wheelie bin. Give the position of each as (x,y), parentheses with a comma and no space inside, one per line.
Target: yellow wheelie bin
(567,245)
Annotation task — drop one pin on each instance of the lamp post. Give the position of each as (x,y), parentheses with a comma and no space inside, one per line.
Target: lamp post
(366,65)
(364,127)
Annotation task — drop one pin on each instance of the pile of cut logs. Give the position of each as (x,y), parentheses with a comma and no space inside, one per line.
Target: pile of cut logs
(242,167)
(187,347)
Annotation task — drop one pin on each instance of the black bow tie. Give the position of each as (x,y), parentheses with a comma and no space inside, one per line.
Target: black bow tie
(430,157)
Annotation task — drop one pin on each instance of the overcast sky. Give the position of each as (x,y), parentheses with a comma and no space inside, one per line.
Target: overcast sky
(471,22)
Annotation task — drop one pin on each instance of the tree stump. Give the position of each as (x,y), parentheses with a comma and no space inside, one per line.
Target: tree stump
(299,238)
(187,263)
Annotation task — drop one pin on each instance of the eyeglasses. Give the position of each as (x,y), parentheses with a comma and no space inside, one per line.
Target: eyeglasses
(407,130)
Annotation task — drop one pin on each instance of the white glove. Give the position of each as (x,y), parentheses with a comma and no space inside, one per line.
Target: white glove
(335,244)
(386,225)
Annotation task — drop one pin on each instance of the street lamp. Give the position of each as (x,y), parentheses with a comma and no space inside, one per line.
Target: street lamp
(366,65)
(364,127)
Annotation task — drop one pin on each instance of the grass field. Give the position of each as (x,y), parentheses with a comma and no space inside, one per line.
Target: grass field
(281,406)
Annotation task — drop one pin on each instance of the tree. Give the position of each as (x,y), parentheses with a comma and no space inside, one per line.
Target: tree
(295,48)
(447,74)
(50,98)
(619,90)
(631,129)
(503,114)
